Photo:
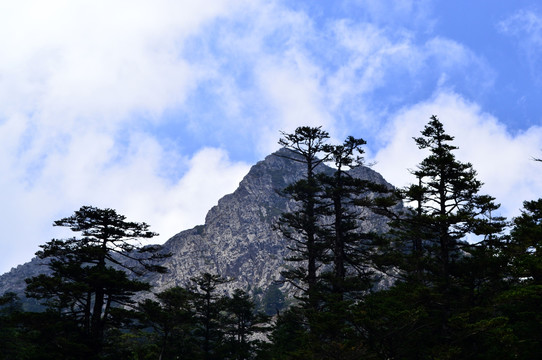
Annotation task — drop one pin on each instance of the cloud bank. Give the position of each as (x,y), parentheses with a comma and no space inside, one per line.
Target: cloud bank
(503,160)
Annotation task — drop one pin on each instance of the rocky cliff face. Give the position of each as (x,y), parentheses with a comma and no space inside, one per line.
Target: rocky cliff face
(237,240)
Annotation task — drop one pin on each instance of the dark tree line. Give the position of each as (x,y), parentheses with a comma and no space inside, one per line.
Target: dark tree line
(462,285)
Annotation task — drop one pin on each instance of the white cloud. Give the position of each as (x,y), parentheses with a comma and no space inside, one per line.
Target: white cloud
(523,21)
(294,91)
(88,172)
(501,158)
(97,59)
(370,51)
(399,68)
(526,27)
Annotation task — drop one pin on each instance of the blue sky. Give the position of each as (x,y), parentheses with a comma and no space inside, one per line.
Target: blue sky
(158,108)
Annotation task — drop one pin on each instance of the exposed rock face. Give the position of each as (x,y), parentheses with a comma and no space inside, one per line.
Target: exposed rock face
(14,280)
(237,240)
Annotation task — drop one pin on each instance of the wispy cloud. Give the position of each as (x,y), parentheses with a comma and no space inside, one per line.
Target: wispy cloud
(406,13)
(93,170)
(525,26)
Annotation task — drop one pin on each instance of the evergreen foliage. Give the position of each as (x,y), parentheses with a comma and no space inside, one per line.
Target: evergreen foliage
(172,319)
(330,209)
(301,226)
(90,285)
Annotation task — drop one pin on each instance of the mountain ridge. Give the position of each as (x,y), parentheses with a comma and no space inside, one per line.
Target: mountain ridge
(237,240)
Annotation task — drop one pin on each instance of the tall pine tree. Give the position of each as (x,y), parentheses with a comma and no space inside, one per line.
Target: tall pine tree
(90,282)
(437,260)
(301,225)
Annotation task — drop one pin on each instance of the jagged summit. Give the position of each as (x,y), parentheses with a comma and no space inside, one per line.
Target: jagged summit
(237,239)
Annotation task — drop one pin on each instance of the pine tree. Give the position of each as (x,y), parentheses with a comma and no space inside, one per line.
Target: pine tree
(441,276)
(172,318)
(525,247)
(89,279)
(301,225)
(208,306)
(449,206)
(241,322)
(326,232)
(521,304)
(347,200)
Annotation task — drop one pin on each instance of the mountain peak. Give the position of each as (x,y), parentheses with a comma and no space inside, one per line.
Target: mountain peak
(237,240)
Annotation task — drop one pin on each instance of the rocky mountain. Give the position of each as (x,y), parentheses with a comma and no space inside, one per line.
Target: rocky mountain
(237,240)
